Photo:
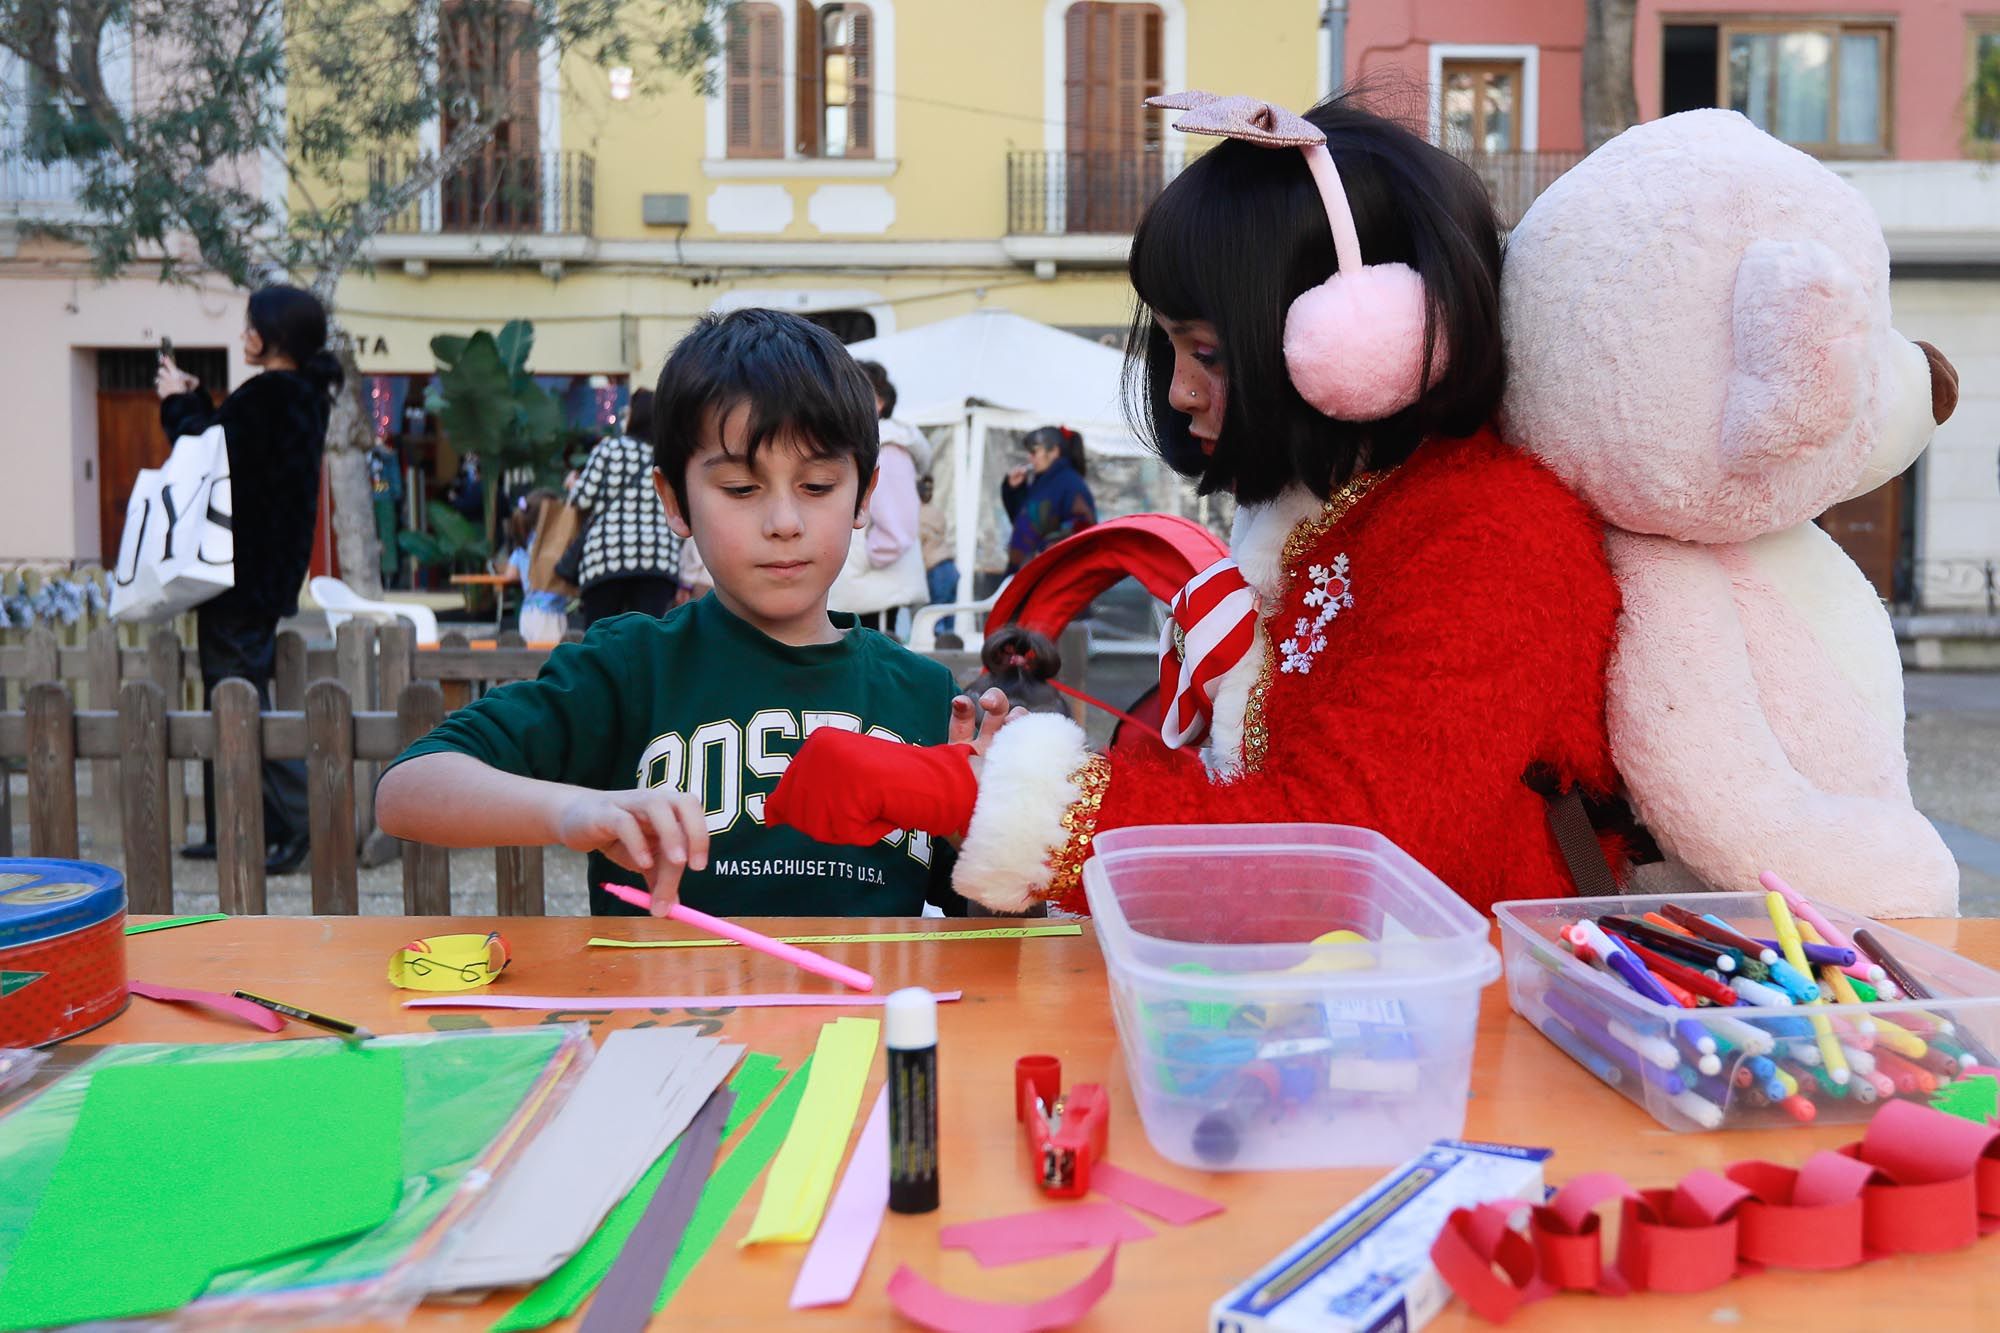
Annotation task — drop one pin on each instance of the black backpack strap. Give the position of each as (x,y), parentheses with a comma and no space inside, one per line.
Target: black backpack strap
(1577,841)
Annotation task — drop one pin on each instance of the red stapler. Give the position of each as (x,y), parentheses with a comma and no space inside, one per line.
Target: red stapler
(1065,1131)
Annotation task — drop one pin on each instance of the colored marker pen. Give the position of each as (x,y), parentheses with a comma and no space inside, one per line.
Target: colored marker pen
(909,1030)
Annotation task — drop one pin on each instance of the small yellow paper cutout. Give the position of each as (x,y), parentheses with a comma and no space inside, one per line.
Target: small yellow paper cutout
(449,962)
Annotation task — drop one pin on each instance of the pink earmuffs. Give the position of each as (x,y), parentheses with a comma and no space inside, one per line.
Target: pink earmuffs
(1354,345)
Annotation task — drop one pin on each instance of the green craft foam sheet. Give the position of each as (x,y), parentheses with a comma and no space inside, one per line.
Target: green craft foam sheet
(458,1092)
(177,1172)
(565,1290)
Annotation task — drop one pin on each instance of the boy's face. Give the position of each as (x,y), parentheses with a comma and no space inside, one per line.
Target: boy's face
(773,534)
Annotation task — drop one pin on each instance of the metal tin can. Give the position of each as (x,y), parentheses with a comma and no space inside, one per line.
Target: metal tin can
(62,949)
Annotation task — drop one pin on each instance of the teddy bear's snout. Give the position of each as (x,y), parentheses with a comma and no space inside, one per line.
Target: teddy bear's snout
(1944,384)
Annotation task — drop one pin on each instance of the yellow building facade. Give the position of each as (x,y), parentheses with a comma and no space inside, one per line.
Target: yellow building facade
(876,166)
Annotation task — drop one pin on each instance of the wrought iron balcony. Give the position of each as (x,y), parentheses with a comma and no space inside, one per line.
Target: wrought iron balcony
(500,192)
(1516,180)
(1082,194)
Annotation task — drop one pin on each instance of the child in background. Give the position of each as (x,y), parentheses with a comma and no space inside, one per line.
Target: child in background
(544,612)
(654,744)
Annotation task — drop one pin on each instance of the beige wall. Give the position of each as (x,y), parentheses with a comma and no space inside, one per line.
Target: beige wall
(52,320)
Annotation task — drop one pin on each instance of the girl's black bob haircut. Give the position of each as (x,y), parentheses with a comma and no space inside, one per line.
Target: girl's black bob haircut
(1241,233)
(796,378)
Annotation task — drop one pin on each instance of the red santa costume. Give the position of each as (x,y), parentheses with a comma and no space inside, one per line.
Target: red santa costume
(1424,642)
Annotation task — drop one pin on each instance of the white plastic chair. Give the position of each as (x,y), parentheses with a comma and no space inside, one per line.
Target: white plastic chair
(341,604)
(970,627)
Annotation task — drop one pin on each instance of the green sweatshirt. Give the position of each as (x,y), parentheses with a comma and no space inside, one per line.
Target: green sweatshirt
(702,702)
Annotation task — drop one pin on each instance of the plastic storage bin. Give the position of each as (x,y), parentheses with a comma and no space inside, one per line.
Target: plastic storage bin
(1575,1006)
(1251,1046)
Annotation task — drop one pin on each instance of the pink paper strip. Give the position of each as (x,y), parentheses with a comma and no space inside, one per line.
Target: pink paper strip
(254,1014)
(601,1003)
(1150,1196)
(935,1308)
(847,1233)
(1016,1239)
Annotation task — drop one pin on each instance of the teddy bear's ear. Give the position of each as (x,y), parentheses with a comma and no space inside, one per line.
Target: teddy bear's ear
(1801,375)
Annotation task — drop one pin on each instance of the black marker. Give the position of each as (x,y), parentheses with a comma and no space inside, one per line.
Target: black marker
(340,1025)
(909,1028)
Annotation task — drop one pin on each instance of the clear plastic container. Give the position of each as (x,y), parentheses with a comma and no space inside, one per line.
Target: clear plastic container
(1576,1007)
(1252,1047)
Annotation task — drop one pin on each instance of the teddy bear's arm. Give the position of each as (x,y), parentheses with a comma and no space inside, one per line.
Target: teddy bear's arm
(1709,775)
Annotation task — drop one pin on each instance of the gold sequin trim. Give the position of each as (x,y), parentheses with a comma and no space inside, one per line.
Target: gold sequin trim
(1080,822)
(1256,731)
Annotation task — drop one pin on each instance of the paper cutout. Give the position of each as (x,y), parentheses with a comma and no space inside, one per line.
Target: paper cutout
(795,1192)
(569,1286)
(254,1014)
(884,937)
(1976,1099)
(101,1246)
(1018,1238)
(625,1304)
(733,1179)
(1177,1207)
(173,923)
(449,962)
(609,1003)
(935,1308)
(642,1090)
(1919,1181)
(833,1265)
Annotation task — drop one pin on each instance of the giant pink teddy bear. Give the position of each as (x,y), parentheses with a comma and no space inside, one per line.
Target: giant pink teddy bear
(1697,326)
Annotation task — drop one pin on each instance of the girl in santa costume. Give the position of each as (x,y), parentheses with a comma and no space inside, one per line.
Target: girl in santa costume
(1411,630)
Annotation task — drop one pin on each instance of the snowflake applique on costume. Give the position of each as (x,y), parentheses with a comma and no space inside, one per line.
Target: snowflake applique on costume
(1332,592)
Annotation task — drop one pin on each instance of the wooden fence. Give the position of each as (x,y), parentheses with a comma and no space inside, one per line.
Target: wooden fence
(377,694)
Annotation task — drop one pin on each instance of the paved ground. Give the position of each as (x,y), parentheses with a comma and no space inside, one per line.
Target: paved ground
(1953,738)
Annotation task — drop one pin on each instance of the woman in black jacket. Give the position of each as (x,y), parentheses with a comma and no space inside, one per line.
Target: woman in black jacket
(275,426)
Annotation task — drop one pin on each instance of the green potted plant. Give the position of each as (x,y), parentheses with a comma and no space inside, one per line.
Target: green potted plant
(488,404)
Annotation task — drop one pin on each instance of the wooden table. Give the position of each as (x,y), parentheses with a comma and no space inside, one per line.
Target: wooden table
(1049,994)
(499,583)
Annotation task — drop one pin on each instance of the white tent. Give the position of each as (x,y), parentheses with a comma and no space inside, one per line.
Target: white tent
(994,369)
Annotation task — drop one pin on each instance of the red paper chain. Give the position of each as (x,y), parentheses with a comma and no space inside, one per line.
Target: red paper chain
(1919,1181)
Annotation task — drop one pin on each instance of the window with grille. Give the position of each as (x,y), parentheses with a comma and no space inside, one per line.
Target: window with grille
(489,64)
(1113,61)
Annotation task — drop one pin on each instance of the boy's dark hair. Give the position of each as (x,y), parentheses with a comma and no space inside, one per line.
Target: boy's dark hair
(1242,232)
(639,415)
(796,377)
(1020,663)
(878,375)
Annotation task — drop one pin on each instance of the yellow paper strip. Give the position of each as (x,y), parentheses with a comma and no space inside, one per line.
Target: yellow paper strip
(795,1191)
(894,936)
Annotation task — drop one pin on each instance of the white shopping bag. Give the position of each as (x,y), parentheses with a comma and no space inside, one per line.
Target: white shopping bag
(178,550)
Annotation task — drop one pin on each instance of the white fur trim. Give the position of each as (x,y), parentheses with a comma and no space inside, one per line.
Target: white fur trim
(1258,538)
(1025,786)
(1223,755)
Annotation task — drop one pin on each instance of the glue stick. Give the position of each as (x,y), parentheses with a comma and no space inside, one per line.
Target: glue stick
(909,1029)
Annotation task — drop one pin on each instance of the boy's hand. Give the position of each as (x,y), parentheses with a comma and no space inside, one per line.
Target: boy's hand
(656,832)
(993,715)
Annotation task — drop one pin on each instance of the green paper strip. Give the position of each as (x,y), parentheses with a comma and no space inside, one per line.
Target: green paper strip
(891,937)
(148,927)
(732,1180)
(565,1290)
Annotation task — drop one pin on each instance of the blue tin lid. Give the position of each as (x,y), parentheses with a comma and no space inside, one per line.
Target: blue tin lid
(41,898)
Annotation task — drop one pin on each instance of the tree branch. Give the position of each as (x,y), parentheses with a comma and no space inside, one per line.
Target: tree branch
(370,218)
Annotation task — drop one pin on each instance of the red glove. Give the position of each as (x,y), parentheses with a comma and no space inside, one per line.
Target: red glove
(846,788)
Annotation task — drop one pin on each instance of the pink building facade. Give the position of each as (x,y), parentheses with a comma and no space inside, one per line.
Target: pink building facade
(1902,99)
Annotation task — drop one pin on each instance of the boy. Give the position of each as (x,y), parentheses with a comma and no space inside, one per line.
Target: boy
(654,743)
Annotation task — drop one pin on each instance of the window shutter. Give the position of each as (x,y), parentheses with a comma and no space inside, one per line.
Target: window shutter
(754,83)
(806,20)
(860,82)
(768,61)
